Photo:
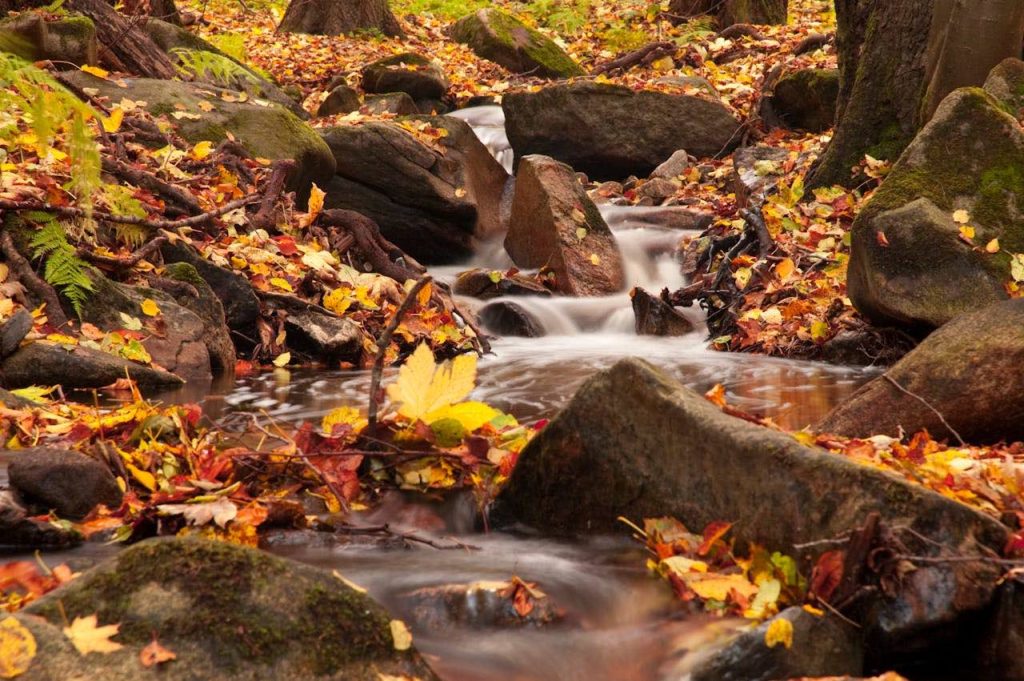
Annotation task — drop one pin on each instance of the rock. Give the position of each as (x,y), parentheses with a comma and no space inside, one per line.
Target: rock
(184,344)
(211,311)
(1002,643)
(46,363)
(655,317)
(479,605)
(822,646)
(13,331)
(241,306)
(432,201)
(908,266)
(413,74)
(270,132)
(324,337)
(871,346)
(1006,84)
(657,189)
(505,318)
(964,371)
(555,224)
(806,99)
(756,171)
(673,167)
(226,611)
(341,100)
(12,401)
(635,443)
(489,284)
(432,107)
(171,38)
(397,103)
(501,38)
(611,131)
(64,481)
(19,531)
(70,40)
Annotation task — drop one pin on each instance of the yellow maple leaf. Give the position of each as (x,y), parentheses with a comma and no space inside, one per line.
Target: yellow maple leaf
(201,150)
(718,587)
(471,415)
(401,635)
(150,308)
(424,387)
(316,203)
(779,631)
(88,637)
(283,359)
(17,648)
(344,416)
(113,122)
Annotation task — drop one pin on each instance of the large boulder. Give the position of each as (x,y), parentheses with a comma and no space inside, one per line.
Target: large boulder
(635,443)
(610,131)
(958,378)
(67,482)
(500,37)
(654,316)
(341,100)
(554,224)
(806,99)
(47,363)
(1006,83)
(432,194)
(413,74)
(909,265)
(265,130)
(68,42)
(226,612)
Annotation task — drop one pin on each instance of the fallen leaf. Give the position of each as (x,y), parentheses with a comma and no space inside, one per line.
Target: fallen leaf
(154,653)
(95,71)
(424,387)
(88,637)
(401,635)
(283,359)
(150,308)
(221,512)
(961,217)
(779,631)
(17,648)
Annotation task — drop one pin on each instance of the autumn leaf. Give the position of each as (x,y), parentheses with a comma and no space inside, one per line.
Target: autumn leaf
(779,631)
(88,637)
(17,648)
(95,71)
(424,387)
(785,269)
(961,217)
(201,150)
(992,246)
(221,512)
(150,308)
(154,654)
(349,416)
(283,359)
(401,635)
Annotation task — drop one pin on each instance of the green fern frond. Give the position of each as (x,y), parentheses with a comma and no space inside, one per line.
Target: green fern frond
(214,68)
(63,270)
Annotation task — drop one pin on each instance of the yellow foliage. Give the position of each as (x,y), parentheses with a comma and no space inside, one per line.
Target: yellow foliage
(424,387)
(17,648)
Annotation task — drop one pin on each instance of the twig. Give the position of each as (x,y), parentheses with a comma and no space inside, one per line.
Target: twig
(279,173)
(71,211)
(926,403)
(126,261)
(382,345)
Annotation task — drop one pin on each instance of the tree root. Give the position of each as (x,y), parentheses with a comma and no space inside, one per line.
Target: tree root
(22,270)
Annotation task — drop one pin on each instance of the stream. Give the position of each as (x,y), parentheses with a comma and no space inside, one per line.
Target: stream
(621,623)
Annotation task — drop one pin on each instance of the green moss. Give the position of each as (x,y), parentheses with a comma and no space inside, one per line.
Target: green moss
(537,46)
(337,642)
(890,143)
(182,271)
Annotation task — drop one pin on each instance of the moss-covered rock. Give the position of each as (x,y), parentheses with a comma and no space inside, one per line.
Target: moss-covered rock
(69,41)
(413,74)
(611,131)
(1006,83)
(208,307)
(227,612)
(908,264)
(806,99)
(266,130)
(500,37)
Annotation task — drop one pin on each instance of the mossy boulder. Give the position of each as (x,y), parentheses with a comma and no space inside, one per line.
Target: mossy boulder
(610,132)
(501,38)
(265,129)
(908,265)
(1006,83)
(201,300)
(806,99)
(413,74)
(964,371)
(226,611)
(341,100)
(68,42)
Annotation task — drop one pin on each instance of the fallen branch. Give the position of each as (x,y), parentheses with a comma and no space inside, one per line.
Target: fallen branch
(127,261)
(631,59)
(279,172)
(383,256)
(102,216)
(146,180)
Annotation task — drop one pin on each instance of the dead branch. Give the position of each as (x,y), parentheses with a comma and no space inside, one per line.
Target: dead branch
(127,261)
(631,59)
(279,172)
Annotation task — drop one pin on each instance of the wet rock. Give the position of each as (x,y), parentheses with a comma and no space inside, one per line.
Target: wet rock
(657,189)
(655,317)
(822,646)
(480,605)
(70,40)
(226,611)
(964,371)
(673,167)
(341,100)
(46,363)
(555,224)
(606,191)
(870,346)
(19,531)
(64,481)
(756,172)
(324,337)
(208,308)
(488,284)
(501,38)
(1006,84)
(432,202)
(806,99)
(413,74)
(270,132)
(13,331)
(506,318)
(610,131)
(397,103)
(908,265)
(432,107)
(241,306)
(1002,640)
(635,443)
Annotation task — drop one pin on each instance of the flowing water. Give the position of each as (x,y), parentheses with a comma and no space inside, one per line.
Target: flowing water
(621,622)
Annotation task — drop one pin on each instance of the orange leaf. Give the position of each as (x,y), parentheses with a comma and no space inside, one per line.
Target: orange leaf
(155,653)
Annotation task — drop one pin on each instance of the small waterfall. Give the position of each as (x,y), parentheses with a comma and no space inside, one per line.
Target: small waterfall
(488,122)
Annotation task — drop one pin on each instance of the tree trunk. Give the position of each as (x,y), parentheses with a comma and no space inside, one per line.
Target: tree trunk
(164,10)
(772,12)
(334,17)
(123,45)
(682,10)
(898,60)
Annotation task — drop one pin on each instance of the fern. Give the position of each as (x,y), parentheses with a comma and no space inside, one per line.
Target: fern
(64,270)
(214,68)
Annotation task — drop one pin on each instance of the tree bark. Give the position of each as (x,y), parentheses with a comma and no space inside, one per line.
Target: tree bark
(124,46)
(334,17)
(771,12)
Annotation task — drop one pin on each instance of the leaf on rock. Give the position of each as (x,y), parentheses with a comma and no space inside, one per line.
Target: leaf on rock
(154,654)
(779,631)
(88,637)
(150,308)
(17,648)
(401,635)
